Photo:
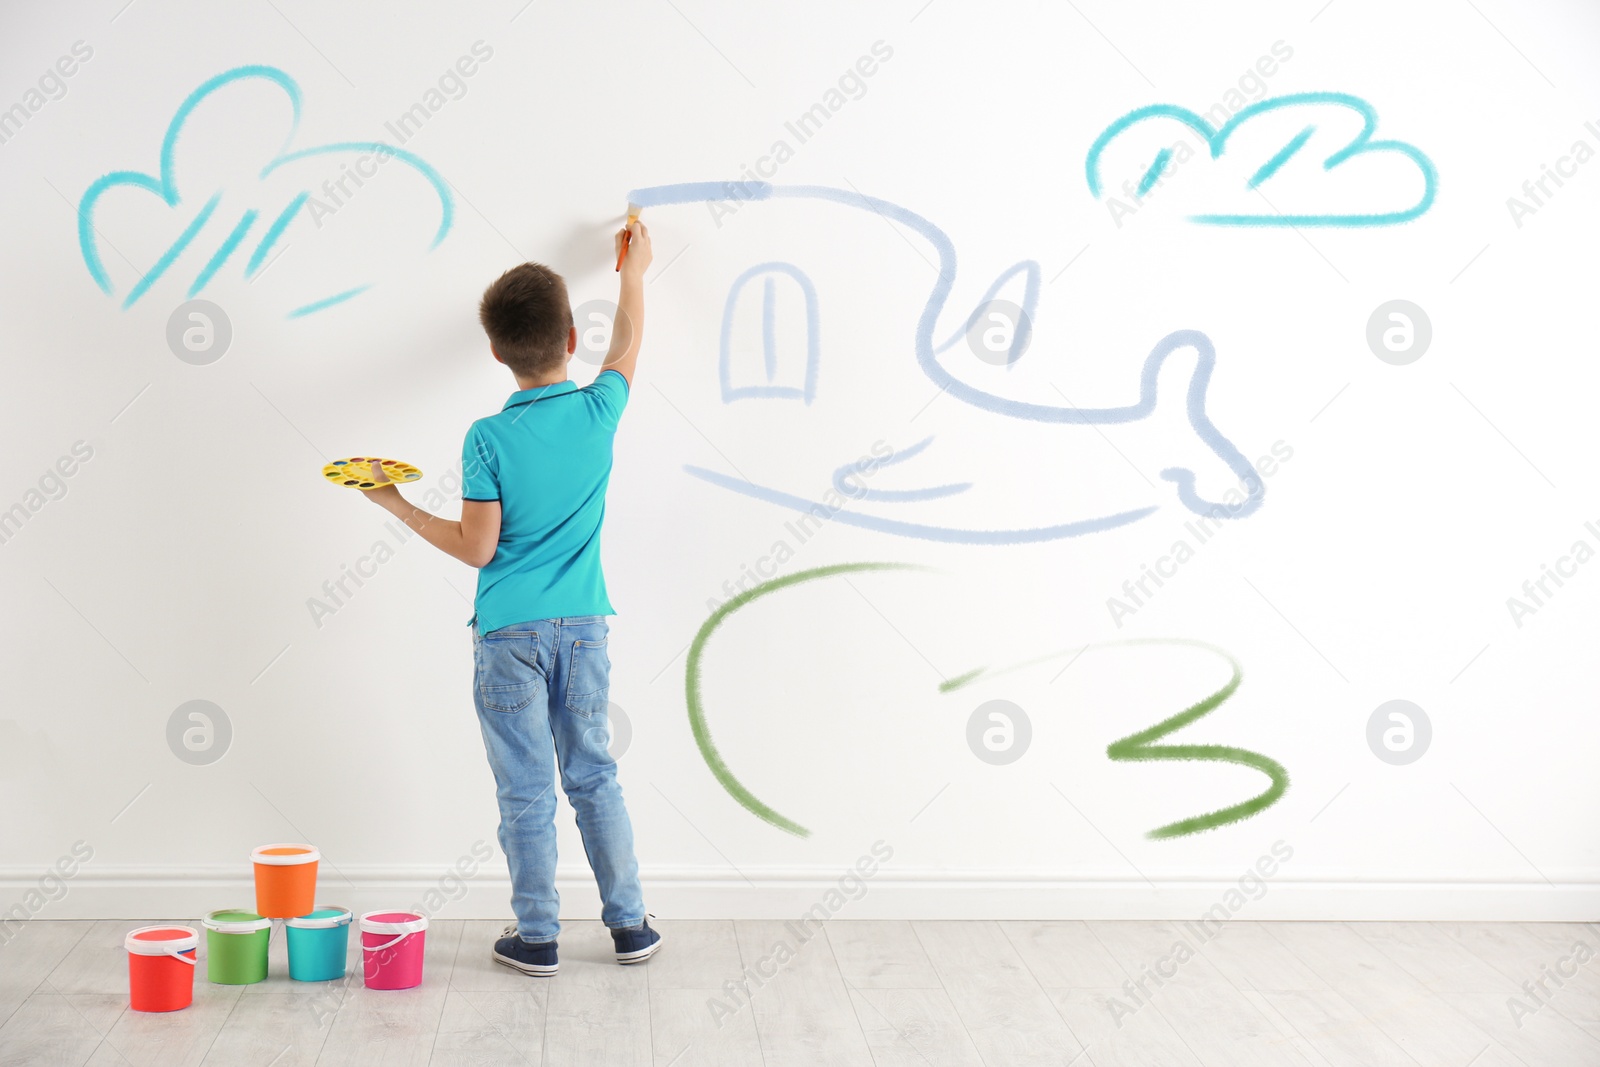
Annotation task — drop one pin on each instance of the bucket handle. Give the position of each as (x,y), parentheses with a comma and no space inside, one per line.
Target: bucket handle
(388,944)
(190,960)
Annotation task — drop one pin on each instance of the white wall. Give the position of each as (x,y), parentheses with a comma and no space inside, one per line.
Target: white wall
(179,562)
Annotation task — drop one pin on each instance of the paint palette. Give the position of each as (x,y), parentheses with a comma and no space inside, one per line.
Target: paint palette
(356,472)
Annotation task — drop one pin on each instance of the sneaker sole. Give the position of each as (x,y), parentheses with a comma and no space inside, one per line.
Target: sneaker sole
(533,970)
(640,956)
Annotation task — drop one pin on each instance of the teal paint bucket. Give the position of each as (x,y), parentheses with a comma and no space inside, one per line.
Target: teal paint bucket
(319,944)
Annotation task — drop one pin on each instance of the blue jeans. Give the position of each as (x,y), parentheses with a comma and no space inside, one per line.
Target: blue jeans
(542,689)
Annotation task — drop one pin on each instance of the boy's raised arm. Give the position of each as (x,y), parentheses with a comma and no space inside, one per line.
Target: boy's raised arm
(628,330)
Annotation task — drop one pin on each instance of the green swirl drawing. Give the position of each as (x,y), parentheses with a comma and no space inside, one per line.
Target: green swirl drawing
(1135,748)
(1141,747)
(691,683)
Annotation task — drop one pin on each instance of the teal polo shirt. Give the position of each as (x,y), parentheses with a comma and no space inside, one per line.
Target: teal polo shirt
(546,456)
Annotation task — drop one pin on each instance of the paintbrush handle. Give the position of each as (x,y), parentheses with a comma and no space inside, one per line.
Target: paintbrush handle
(627,237)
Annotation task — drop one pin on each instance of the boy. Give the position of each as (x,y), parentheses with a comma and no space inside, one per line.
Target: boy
(534,479)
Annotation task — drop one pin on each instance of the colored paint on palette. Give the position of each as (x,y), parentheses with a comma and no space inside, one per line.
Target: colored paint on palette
(355,472)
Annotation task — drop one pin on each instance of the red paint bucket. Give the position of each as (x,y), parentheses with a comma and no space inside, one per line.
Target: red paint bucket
(161,967)
(392,944)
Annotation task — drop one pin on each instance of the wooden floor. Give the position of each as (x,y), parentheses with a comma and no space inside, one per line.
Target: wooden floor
(891,994)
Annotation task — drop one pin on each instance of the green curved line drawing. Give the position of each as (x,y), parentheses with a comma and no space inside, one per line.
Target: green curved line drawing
(691,682)
(1141,747)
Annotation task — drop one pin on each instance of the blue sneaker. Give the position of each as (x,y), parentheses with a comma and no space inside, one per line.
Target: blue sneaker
(635,944)
(537,960)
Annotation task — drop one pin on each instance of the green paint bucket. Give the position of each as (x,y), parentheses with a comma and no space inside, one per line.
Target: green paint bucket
(236,947)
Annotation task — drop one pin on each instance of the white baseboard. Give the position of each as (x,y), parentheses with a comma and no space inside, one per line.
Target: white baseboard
(109,892)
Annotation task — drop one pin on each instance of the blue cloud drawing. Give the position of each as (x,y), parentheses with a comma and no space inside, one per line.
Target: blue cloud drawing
(164,185)
(1217,140)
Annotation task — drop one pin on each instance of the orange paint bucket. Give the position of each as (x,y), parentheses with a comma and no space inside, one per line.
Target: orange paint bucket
(286,880)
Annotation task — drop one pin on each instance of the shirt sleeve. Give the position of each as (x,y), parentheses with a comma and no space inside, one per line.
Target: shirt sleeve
(480,467)
(609,393)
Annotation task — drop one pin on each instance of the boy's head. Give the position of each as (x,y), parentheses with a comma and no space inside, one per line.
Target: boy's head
(529,321)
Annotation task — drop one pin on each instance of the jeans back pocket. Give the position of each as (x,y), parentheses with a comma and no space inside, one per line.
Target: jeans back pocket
(508,674)
(589,677)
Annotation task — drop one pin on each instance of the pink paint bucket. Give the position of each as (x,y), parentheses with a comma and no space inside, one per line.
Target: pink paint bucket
(392,946)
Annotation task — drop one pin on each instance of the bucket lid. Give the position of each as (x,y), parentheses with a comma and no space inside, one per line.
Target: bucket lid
(324,918)
(285,855)
(161,940)
(235,921)
(393,922)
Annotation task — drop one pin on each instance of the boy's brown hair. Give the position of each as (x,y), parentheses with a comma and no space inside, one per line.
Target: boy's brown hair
(528,319)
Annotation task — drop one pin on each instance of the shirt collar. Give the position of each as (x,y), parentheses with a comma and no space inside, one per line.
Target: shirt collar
(528,396)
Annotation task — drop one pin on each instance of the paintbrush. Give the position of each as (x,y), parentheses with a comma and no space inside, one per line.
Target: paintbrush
(627,235)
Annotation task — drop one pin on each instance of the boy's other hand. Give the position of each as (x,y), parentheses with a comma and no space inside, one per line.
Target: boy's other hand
(639,254)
